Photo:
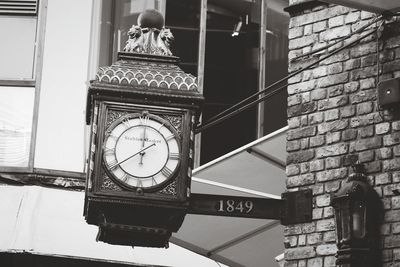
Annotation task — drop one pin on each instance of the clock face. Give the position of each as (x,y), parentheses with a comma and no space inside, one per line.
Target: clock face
(141,150)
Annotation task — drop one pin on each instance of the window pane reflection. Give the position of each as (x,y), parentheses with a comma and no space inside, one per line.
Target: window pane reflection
(16,113)
(17,48)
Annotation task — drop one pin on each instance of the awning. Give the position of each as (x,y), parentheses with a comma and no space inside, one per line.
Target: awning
(376,6)
(255,170)
(48,221)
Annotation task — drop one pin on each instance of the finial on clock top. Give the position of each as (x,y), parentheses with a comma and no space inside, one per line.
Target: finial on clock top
(150,36)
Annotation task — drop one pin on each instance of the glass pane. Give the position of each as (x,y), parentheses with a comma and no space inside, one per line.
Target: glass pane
(276,64)
(16,113)
(17,47)
(231,73)
(183,19)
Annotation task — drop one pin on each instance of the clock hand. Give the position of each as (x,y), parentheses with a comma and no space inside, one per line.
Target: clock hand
(140,151)
(144,139)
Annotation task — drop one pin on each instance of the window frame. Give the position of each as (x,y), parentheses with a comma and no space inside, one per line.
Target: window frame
(32,83)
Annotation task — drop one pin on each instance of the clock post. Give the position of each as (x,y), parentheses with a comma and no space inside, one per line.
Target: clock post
(142,111)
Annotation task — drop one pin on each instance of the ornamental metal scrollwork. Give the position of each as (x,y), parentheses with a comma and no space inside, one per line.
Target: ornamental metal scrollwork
(113,115)
(169,189)
(175,121)
(108,184)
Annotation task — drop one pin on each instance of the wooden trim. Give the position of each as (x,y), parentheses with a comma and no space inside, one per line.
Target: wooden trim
(200,72)
(262,66)
(40,37)
(18,83)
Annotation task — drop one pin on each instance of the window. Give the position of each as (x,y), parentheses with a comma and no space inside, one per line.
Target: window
(18,49)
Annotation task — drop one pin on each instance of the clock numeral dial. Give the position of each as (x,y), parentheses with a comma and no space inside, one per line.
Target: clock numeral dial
(166,171)
(174,156)
(141,150)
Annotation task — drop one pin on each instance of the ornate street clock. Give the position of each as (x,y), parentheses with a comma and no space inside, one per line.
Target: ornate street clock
(142,111)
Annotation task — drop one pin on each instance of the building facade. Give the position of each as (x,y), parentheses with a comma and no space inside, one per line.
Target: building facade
(335,119)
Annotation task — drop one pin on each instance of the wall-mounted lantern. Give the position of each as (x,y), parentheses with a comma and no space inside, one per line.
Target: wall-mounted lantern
(357,214)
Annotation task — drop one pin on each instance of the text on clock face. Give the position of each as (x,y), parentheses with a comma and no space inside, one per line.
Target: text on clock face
(141,151)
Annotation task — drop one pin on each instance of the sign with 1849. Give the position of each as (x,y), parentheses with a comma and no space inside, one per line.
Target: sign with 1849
(221,205)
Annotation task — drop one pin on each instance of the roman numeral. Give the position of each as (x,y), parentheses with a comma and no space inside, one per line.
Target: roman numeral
(166,172)
(170,137)
(144,120)
(174,156)
(124,177)
(109,151)
(153,181)
(126,122)
(139,183)
(112,164)
(113,136)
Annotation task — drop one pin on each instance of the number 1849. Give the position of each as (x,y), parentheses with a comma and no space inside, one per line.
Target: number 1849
(232,206)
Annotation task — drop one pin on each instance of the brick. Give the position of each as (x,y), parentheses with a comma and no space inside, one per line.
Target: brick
(366,156)
(373,167)
(332,150)
(332,162)
(300,180)
(363,49)
(299,253)
(352,64)
(364,120)
(317,141)
(333,79)
(301,87)
(366,131)
(335,68)
(351,87)
(302,240)
(332,174)
(333,102)
(349,134)
(396,150)
(347,111)
(395,201)
(382,128)
(338,32)
(391,139)
(368,60)
(335,90)
(332,186)
(294,100)
(332,114)
(308,29)
(363,73)
(391,66)
(363,96)
(290,241)
(339,57)
(383,178)
(365,144)
(292,230)
(320,26)
(333,126)
(317,213)
(352,17)
(303,41)
(304,167)
(384,153)
(296,32)
(325,225)
(318,94)
(391,165)
(336,21)
(396,125)
(307,228)
(301,109)
(392,215)
(292,170)
(332,138)
(330,261)
(293,145)
(320,71)
(329,236)
(364,108)
(301,133)
(301,156)
(326,249)
(367,15)
(323,200)
(316,117)
(317,165)
(294,122)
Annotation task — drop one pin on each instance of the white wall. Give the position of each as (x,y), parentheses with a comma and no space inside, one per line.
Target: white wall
(61,126)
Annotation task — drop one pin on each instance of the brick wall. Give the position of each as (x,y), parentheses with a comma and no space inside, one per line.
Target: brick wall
(334,118)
